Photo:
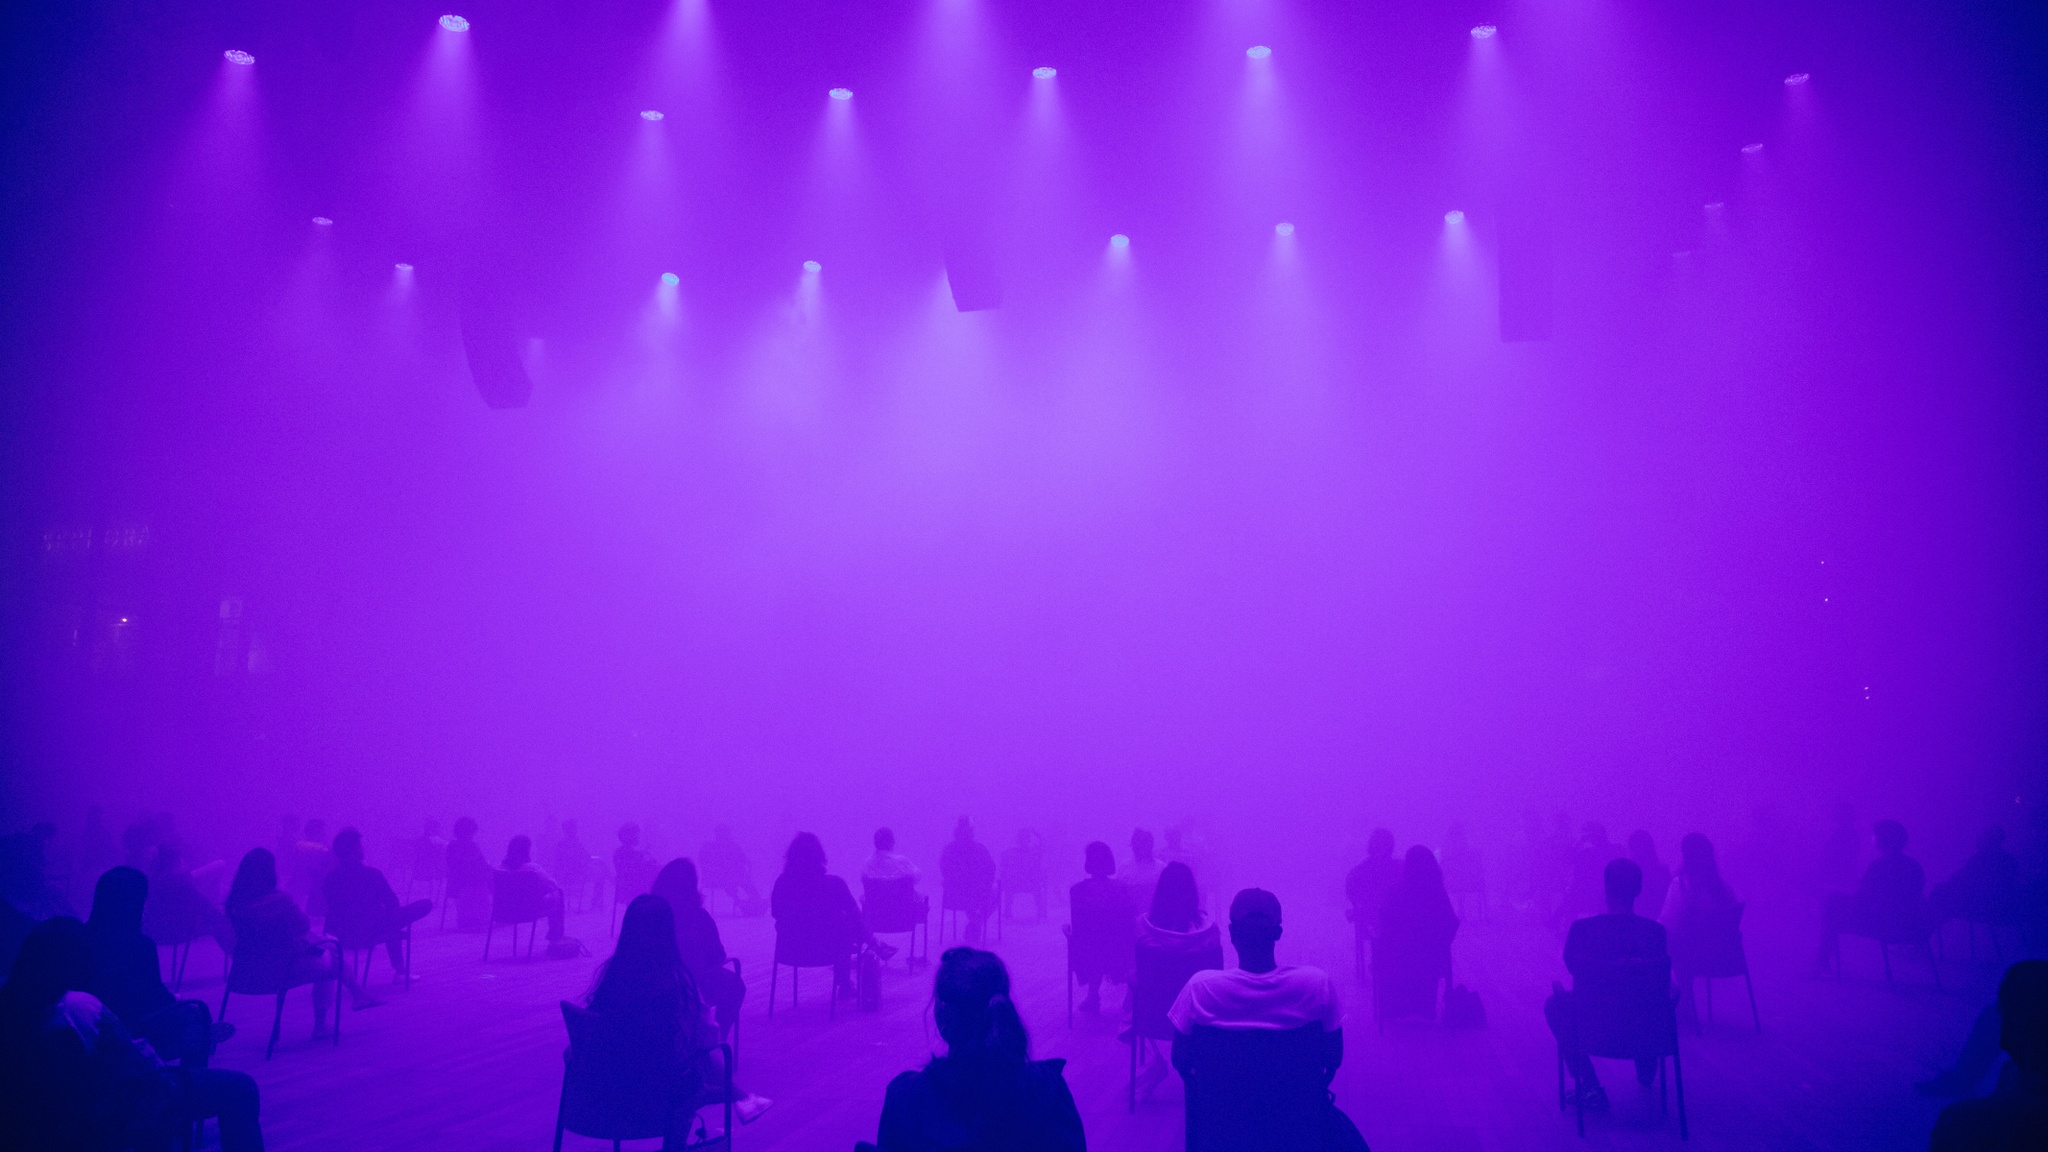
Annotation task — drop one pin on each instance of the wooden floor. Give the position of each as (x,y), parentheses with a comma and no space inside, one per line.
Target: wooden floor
(470,1058)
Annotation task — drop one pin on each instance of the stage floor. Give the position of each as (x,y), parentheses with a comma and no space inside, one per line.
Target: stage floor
(470,1058)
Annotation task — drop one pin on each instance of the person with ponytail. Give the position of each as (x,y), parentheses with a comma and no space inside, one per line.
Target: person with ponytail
(985,1094)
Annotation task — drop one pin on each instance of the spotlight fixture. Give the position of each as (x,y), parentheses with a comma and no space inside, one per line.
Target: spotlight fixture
(813,266)
(651,116)
(1751,149)
(1258,51)
(322,221)
(1484,32)
(403,268)
(1454,216)
(671,279)
(1119,241)
(1044,73)
(237,56)
(841,93)
(454,23)
(1797,78)
(1283,229)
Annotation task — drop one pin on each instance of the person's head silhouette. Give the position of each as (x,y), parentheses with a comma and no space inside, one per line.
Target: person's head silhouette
(1255,928)
(971,1006)
(1623,878)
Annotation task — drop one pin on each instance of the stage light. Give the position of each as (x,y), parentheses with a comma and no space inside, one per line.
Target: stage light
(1454,216)
(671,279)
(651,116)
(1283,229)
(1751,149)
(1119,241)
(1484,32)
(322,221)
(841,93)
(1258,51)
(237,56)
(1797,78)
(454,23)
(403,268)
(813,266)
(1045,73)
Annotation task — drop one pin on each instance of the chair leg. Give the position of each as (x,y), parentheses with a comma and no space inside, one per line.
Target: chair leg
(489,928)
(774,974)
(277,1024)
(1753,1016)
(1885,950)
(1132,1088)
(1678,1087)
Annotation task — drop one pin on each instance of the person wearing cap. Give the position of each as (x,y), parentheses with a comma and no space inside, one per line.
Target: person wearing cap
(1260,992)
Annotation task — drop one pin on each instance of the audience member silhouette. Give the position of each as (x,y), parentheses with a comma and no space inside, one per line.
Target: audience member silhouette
(812,904)
(128,975)
(178,909)
(362,910)
(1103,928)
(698,942)
(1656,874)
(576,870)
(887,863)
(633,867)
(1023,872)
(1589,860)
(1262,993)
(2014,1118)
(469,878)
(646,985)
(1412,950)
(1143,870)
(274,940)
(308,866)
(1889,904)
(1697,899)
(1464,868)
(1175,941)
(1986,889)
(724,867)
(1613,950)
(967,871)
(523,883)
(429,859)
(1367,885)
(72,1077)
(985,1094)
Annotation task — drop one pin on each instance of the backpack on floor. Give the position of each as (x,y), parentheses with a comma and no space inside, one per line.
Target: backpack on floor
(1463,1008)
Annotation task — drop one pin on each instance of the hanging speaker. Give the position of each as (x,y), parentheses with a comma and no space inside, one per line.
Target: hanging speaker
(494,363)
(971,274)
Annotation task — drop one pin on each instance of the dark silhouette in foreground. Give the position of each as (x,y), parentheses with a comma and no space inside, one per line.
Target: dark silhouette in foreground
(1611,958)
(2015,1116)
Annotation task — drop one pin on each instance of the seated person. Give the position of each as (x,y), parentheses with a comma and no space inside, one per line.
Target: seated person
(812,905)
(1412,950)
(633,867)
(2015,1116)
(429,857)
(967,872)
(469,878)
(1605,954)
(723,866)
(1697,897)
(1262,993)
(986,1093)
(887,863)
(1890,903)
(1143,870)
(1023,871)
(72,1077)
(646,985)
(1986,889)
(275,943)
(1104,926)
(698,942)
(576,870)
(521,882)
(1656,874)
(128,975)
(178,910)
(1368,883)
(1175,941)
(362,910)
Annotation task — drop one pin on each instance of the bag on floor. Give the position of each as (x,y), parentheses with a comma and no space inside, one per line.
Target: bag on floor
(1463,1008)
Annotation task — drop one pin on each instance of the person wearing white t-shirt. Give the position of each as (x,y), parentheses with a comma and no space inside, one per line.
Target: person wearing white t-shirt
(1260,992)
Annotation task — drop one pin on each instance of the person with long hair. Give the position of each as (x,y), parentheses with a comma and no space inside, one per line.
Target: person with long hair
(522,882)
(1412,949)
(275,941)
(469,878)
(1175,941)
(986,1094)
(809,902)
(647,984)
(1103,926)
(128,975)
(698,942)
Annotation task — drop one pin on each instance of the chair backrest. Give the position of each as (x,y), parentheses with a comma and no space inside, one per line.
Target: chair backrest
(1708,942)
(891,905)
(1627,1010)
(806,943)
(1157,977)
(619,1077)
(633,878)
(1253,1089)
(516,897)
